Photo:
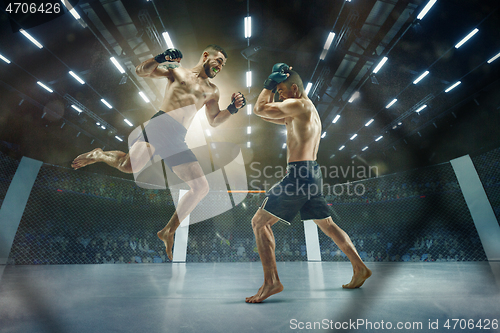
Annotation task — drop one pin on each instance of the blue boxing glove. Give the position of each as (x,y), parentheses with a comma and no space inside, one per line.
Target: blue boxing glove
(172,53)
(277,76)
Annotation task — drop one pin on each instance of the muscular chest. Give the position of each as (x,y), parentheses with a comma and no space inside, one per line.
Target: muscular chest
(191,84)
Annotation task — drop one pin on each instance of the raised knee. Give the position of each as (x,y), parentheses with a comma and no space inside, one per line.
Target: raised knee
(257,222)
(201,187)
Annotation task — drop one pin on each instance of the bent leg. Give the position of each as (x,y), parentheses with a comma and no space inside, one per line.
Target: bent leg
(139,154)
(340,237)
(193,175)
(261,225)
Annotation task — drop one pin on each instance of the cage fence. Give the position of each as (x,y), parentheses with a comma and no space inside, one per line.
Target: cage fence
(488,169)
(74,217)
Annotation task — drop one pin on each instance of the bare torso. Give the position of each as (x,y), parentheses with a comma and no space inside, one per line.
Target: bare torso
(185,94)
(303,133)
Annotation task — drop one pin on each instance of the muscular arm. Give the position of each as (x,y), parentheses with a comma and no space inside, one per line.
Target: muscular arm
(215,115)
(266,108)
(150,68)
(274,121)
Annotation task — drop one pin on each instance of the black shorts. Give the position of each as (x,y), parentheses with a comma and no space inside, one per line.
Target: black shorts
(301,190)
(167,136)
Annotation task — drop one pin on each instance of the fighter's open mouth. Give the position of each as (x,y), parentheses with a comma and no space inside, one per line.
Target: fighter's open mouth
(215,70)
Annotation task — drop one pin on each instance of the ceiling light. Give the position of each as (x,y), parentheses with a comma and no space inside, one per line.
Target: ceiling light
(309,85)
(249,109)
(207,131)
(284,146)
(167,39)
(380,64)
(76,77)
(103,127)
(421,108)
(369,122)
(45,87)
(323,135)
(128,122)
(364,148)
(248,27)
(469,36)
(115,62)
(421,77)
(4,59)
(328,43)
(248,144)
(354,96)
(71,9)
(453,86)
(76,108)
(118,138)
(391,103)
(144,97)
(494,58)
(379,138)
(341,147)
(249,79)
(335,119)
(249,130)
(33,40)
(106,103)
(426,9)
(353,137)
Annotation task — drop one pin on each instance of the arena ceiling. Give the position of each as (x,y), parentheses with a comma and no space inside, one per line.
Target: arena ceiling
(45,126)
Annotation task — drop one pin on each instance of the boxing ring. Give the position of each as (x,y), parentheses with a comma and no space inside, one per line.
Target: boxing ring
(430,236)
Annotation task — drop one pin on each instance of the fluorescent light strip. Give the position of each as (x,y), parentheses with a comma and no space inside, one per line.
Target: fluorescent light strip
(249,130)
(335,119)
(248,27)
(167,39)
(71,9)
(391,103)
(323,135)
(45,87)
(453,86)
(4,59)
(421,108)
(380,64)
(369,122)
(248,144)
(98,124)
(103,127)
(379,138)
(115,62)
(364,148)
(494,58)
(284,146)
(353,156)
(469,36)
(144,97)
(76,77)
(76,108)
(341,147)
(106,103)
(421,77)
(308,88)
(118,138)
(33,40)
(249,109)
(208,132)
(249,79)
(128,122)
(426,9)
(353,137)
(328,43)
(354,96)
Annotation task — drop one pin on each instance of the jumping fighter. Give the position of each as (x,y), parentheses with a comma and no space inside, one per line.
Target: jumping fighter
(187,91)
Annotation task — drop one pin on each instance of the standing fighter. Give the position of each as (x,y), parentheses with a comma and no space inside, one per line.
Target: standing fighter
(301,188)
(187,91)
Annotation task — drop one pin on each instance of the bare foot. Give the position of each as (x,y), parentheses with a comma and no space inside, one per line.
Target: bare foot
(168,239)
(86,159)
(264,292)
(358,278)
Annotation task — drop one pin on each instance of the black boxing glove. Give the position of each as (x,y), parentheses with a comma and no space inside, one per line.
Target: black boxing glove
(172,53)
(232,108)
(277,76)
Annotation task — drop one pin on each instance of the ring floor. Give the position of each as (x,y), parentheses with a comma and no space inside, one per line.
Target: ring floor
(210,297)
